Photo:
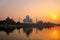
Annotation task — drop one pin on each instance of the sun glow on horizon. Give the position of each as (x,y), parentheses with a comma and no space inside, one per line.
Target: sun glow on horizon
(54,17)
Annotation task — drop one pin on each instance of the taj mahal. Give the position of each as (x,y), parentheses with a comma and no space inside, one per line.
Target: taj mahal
(27,19)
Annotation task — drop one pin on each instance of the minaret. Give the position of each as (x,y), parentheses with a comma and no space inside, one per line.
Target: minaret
(36,23)
(36,19)
(19,19)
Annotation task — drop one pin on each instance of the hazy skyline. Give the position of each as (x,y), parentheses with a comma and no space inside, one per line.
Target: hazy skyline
(42,9)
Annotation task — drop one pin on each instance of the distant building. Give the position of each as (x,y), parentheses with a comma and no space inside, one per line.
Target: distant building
(27,20)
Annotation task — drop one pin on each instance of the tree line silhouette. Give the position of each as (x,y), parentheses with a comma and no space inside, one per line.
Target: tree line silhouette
(8,21)
(9,25)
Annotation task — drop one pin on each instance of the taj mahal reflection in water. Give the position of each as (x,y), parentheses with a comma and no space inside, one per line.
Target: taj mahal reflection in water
(27,30)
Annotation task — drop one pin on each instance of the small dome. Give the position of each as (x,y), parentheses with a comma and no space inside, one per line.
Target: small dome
(27,16)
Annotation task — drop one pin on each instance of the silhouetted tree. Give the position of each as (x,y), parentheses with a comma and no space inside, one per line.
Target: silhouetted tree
(9,21)
(40,25)
(48,25)
(2,22)
(18,23)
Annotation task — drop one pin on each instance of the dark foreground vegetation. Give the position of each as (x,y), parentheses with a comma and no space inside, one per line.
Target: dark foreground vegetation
(9,25)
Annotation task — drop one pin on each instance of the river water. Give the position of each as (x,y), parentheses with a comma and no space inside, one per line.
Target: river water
(32,34)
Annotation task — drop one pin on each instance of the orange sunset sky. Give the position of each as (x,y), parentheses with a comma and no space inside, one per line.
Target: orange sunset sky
(46,10)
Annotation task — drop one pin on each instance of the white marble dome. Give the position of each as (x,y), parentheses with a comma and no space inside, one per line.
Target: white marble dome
(27,19)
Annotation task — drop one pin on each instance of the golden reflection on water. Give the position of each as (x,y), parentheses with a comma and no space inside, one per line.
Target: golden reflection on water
(45,34)
(53,33)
